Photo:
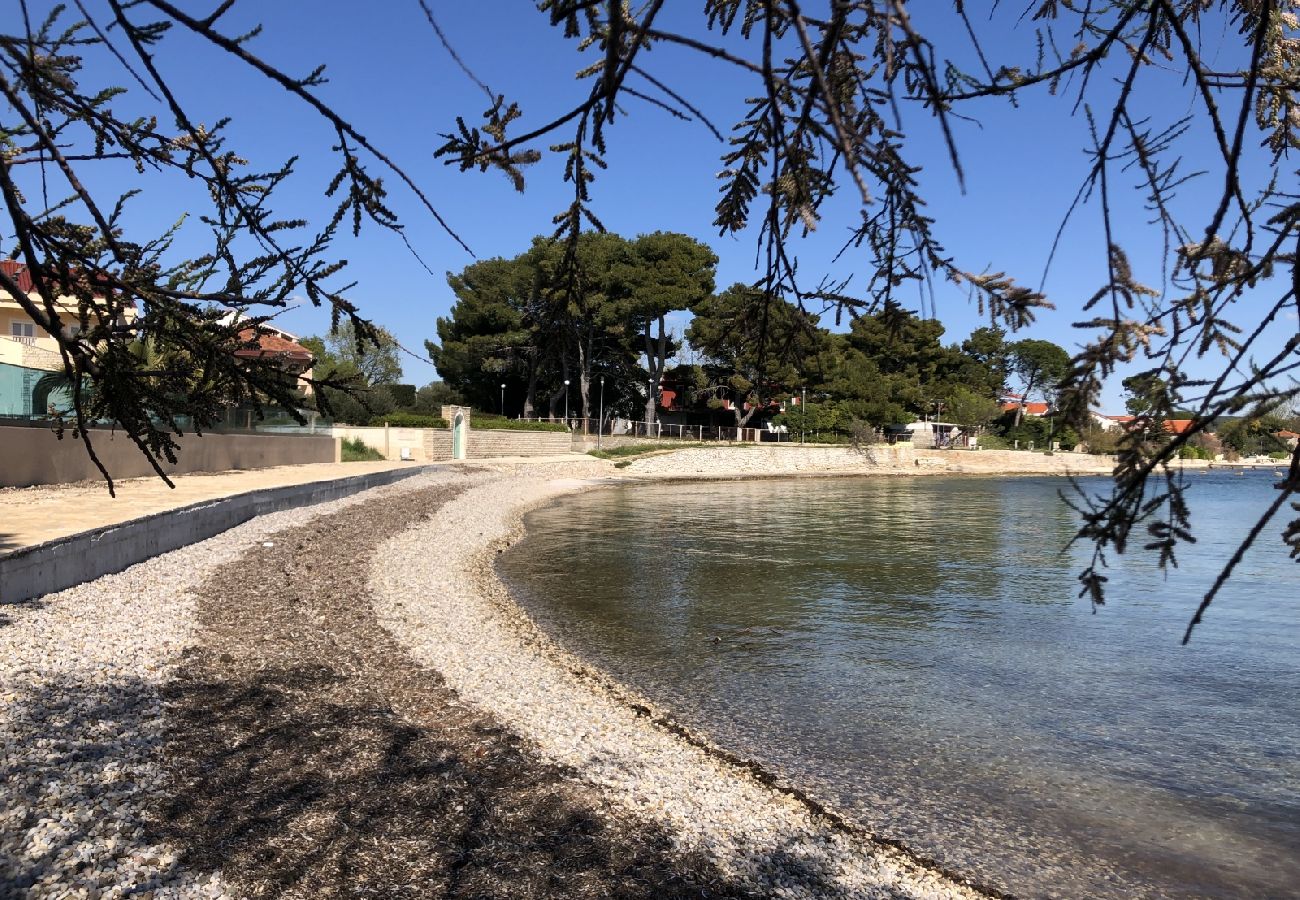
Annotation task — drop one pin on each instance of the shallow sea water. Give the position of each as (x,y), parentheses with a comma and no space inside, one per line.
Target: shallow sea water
(913,651)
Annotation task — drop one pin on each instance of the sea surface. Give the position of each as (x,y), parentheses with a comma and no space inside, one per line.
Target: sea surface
(913,651)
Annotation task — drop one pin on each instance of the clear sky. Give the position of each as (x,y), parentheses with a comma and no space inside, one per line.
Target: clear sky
(392,78)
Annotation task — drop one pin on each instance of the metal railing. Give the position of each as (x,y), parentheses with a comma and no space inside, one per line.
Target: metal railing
(675,432)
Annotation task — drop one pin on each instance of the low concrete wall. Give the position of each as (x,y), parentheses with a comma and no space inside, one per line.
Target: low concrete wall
(59,564)
(487,443)
(31,456)
(423,444)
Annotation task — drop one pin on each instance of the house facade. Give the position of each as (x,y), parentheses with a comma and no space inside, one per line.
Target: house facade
(269,343)
(28,355)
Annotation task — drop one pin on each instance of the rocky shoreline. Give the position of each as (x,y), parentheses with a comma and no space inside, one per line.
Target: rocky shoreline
(765,836)
(344,699)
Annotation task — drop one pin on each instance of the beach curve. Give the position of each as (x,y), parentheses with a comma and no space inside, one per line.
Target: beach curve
(435,589)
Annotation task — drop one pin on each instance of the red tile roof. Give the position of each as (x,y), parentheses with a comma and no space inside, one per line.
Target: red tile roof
(1288,435)
(271,344)
(1031,408)
(1178,426)
(18,272)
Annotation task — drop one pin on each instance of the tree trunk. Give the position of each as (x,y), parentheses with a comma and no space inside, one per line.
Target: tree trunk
(1020,410)
(584,379)
(530,398)
(655,356)
(563,388)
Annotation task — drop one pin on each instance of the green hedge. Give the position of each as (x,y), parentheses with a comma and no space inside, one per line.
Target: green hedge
(409,420)
(478,420)
(500,423)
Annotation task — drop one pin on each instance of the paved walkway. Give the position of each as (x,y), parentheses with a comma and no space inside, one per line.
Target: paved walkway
(34,515)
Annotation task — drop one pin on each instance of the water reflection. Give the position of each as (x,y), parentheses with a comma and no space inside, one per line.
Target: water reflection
(913,649)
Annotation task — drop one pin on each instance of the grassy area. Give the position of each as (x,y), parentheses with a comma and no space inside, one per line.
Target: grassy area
(357,450)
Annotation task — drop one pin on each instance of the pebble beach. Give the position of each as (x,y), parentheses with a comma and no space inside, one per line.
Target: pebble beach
(344,700)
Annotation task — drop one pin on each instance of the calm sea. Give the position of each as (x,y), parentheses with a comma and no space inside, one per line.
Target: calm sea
(913,651)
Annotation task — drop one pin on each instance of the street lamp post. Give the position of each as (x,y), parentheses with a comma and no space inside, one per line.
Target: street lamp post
(503,398)
(600,424)
(803,414)
(566,402)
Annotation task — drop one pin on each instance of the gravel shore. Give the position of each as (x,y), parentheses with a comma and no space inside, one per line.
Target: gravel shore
(81,727)
(343,700)
(452,613)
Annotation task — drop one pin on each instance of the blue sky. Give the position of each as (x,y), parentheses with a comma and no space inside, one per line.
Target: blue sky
(391,77)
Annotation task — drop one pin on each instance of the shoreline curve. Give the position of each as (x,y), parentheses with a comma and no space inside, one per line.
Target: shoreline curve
(436,589)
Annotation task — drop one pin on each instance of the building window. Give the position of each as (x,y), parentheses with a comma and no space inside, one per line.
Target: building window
(23,332)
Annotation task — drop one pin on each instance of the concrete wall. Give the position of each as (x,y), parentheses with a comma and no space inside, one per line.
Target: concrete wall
(424,444)
(62,563)
(36,456)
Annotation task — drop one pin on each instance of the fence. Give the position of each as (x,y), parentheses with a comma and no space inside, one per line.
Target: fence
(669,431)
(628,428)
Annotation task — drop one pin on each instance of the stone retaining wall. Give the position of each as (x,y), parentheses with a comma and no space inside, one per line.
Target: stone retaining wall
(486,443)
(434,444)
(770,459)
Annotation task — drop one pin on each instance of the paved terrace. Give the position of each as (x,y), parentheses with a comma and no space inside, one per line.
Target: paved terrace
(33,515)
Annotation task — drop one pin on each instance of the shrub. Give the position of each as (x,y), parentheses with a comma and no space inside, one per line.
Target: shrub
(989,441)
(357,450)
(410,420)
(501,423)
(403,394)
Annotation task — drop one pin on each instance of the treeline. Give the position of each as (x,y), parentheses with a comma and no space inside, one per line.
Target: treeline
(527,333)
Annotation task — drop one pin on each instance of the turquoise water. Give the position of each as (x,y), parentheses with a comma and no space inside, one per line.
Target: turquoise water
(913,651)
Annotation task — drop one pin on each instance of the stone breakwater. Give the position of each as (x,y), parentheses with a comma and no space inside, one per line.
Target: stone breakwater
(750,460)
(435,590)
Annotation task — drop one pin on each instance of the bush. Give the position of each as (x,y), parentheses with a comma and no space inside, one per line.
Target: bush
(1279,454)
(403,394)
(501,423)
(357,450)
(410,420)
(1194,453)
(989,441)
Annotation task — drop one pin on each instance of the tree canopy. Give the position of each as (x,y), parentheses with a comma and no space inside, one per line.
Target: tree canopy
(532,322)
(1193,103)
